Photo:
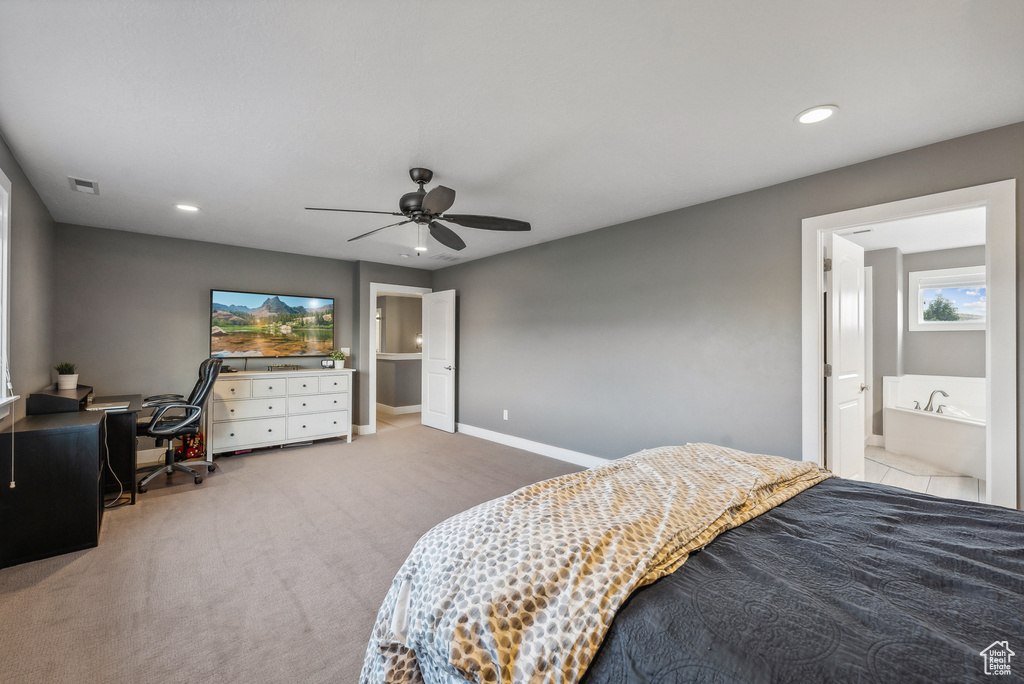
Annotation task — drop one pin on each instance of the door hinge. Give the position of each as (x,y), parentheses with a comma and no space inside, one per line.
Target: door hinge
(828,370)
(828,265)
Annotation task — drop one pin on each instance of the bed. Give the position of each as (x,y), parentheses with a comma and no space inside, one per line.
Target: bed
(787,575)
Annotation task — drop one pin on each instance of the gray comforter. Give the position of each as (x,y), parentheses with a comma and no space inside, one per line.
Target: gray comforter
(846,582)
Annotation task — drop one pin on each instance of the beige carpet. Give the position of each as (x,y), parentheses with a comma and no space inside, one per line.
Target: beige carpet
(272,570)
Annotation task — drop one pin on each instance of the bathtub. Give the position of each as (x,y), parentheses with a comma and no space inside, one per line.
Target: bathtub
(954,442)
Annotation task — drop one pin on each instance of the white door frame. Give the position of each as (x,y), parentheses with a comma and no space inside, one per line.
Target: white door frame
(1001,334)
(376,290)
(869,354)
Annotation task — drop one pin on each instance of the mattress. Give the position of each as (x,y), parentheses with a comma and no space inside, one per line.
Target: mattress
(845,582)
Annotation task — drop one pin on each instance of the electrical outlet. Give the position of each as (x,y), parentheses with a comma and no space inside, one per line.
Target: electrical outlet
(504,414)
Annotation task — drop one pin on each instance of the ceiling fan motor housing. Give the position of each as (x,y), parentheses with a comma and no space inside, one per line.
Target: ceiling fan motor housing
(412,202)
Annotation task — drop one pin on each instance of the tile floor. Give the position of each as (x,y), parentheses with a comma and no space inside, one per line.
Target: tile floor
(908,473)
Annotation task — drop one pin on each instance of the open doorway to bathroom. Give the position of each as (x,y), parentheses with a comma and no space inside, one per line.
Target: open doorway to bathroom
(997,201)
(399,348)
(926,309)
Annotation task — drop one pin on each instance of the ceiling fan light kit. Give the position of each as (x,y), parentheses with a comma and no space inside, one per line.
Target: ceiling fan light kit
(426,208)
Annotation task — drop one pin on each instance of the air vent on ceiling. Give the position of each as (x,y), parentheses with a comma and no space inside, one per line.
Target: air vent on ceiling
(446,257)
(87,186)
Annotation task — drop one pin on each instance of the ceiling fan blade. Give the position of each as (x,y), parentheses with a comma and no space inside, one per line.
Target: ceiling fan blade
(486,222)
(358,237)
(438,200)
(356,211)
(446,236)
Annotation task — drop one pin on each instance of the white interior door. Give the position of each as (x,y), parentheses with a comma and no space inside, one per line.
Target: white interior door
(438,386)
(845,388)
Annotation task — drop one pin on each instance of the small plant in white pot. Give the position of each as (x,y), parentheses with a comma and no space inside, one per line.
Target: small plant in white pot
(67,378)
(339,358)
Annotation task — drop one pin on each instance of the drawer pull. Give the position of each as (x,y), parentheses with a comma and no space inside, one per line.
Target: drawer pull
(270,387)
(270,408)
(303,427)
(303,403)
(232,434)
(335,401)
(303,385)
(232,410)
(232,390)
(270,430)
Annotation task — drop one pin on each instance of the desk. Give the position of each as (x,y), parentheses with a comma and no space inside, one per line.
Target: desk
(122,443)
(56,506)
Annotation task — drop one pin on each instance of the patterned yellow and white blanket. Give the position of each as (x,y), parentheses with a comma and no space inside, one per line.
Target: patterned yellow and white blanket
(524,587)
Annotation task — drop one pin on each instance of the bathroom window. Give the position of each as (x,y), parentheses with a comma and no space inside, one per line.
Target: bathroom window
(947,299)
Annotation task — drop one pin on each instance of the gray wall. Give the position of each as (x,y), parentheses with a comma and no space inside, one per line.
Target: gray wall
(132,310)
(32,274)
(680,327)
(887,322)
(398,382)
(402,319)
(942,352)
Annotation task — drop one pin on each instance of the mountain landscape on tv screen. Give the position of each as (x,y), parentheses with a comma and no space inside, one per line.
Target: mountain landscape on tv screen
(272,329)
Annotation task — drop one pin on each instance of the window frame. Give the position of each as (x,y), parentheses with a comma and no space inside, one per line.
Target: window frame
(966,276)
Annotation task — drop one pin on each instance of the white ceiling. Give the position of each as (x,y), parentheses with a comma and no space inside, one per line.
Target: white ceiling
(572,115)
(945,230)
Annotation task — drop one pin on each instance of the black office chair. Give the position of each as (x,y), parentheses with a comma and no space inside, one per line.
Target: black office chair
(176,417)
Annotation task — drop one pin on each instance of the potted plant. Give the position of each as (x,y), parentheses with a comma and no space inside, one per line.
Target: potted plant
(67,378)
(339,358)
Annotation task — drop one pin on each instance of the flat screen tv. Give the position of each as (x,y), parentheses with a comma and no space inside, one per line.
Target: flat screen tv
(247,324)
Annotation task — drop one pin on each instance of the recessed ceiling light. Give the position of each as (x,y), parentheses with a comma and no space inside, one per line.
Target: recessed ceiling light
(816,114)
(187,207)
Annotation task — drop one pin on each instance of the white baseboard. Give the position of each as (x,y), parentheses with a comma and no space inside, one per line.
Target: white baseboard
(148,457)
(398,410)
(363,430)
(876,441)
(575,457)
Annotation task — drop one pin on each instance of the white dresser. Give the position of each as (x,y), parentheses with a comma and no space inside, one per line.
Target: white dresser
(253,409)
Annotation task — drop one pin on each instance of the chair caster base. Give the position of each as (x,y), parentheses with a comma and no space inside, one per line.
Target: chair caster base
(199,479)
(143,489)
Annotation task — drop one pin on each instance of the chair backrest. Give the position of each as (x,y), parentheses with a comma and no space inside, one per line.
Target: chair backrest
(208,372)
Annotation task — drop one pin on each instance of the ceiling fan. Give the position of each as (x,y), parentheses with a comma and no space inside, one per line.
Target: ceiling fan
(427,208)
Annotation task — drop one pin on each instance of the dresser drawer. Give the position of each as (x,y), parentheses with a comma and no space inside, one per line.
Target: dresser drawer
(318,425)
(303,385)
(228,436)
(248,408)
(269,387)
(334,383)
(232,389)
(317,403)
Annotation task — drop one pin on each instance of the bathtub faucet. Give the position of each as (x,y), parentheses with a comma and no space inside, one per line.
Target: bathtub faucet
(928,406)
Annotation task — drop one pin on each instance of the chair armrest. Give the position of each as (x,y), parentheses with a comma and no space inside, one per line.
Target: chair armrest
(175,423)
(158,399)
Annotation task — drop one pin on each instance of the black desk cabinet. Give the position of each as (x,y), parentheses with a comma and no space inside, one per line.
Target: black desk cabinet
(57,505)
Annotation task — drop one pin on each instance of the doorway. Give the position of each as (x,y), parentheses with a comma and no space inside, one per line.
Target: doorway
(930,345)
(998,202)
(395,368)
